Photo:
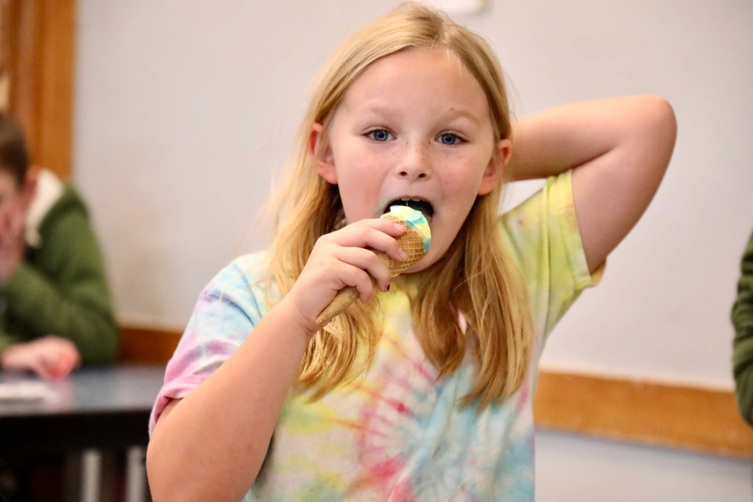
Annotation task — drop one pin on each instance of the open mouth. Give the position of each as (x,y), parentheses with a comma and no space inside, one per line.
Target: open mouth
(421,205)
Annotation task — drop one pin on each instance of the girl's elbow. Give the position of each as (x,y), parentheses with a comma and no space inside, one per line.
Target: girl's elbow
(661,119)
(157,480)
(165,486)
(164,477)
(654,133)
(183,480)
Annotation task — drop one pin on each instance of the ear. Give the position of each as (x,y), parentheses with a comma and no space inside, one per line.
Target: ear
(325,165)
(496,167)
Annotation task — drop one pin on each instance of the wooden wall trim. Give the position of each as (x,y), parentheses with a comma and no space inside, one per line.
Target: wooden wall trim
(147,345)
(651,413)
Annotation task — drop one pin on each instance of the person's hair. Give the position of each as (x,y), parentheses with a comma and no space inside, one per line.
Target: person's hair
(14,157)
(475,280)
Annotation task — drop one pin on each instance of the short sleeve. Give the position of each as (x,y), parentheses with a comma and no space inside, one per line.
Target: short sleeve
(543,238)
(225,314)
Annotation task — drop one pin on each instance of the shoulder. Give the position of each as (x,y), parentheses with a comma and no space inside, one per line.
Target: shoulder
(244,283)
(55,201)
(54,194)
(227,309)
(542,238)
(246,270)
(749,249)
(545,218)
(48,193)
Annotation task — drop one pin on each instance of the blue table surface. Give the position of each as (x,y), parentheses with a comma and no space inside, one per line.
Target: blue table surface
(96,389)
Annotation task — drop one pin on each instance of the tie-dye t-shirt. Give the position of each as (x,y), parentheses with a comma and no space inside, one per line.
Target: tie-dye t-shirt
(398,433)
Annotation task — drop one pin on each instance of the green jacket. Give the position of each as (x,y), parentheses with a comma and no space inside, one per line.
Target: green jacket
(742,319)
(61,287)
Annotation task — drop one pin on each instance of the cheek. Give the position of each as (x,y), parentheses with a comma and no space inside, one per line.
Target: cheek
(358,175)
(7,205)
(359,195)
(462,186)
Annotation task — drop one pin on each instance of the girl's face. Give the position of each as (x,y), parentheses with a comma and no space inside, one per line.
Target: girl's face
(414,126)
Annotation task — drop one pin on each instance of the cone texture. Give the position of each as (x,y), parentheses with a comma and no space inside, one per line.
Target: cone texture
(412,244)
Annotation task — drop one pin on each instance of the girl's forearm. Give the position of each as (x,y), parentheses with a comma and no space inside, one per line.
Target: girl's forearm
(618,150)
(211,444)
(553,141)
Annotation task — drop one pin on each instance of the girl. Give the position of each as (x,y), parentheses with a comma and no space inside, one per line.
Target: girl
(423,391)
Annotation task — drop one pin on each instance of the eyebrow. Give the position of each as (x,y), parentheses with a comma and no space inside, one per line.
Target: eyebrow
(463,113)
(381,109)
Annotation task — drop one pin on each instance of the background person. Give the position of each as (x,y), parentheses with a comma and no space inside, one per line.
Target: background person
(55,306)
(742,320)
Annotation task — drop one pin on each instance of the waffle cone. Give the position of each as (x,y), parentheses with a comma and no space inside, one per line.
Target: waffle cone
(413,245)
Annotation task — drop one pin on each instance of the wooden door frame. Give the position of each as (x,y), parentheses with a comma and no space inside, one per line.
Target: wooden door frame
(40,37)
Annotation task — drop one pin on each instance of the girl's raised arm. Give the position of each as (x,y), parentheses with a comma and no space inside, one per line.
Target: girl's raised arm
(618,149)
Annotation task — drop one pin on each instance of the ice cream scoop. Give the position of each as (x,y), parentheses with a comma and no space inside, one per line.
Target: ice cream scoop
(415,241)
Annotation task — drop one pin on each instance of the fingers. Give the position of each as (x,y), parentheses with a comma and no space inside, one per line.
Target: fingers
(65,364)
(50,357)
(346,257)
(355,251)
(60,357)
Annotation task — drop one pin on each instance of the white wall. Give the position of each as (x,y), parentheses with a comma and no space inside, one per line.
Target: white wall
(581,469)
(186,109)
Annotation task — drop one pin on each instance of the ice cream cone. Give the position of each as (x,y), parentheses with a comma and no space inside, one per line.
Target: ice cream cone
(415,242)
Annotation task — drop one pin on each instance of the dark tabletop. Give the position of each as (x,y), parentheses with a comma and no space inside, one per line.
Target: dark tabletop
(99,407)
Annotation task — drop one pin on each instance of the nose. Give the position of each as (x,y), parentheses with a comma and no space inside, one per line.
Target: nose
(415,162)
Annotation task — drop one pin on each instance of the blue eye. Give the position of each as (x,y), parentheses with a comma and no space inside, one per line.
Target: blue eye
(379,135)
(449,138)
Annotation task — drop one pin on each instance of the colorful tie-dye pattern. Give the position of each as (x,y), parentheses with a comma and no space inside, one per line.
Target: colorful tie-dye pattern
(397,433)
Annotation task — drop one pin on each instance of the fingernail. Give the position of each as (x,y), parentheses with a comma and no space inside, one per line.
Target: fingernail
(402,253)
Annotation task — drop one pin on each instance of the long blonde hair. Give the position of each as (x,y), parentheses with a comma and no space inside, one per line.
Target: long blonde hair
(475,277)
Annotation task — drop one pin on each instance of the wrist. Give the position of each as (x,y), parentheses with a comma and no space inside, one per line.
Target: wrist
(301,326)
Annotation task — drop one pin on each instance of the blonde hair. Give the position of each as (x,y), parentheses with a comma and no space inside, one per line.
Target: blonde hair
(475,278)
